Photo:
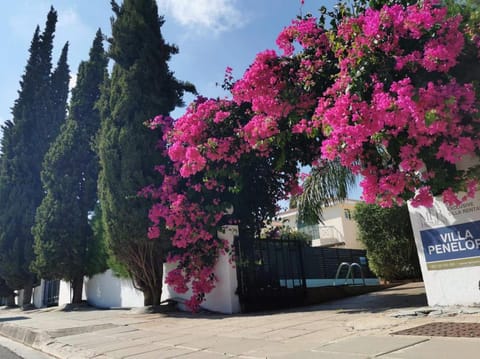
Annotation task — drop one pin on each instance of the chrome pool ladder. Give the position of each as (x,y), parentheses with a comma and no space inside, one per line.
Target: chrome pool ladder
(350,272)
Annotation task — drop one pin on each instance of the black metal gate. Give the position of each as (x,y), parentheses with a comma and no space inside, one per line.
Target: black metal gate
(50,293)
(274,273)
(270,273)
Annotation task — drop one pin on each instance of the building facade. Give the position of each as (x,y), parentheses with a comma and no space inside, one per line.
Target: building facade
(338,229)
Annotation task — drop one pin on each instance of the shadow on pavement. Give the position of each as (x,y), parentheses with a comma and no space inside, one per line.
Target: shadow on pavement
(11,319)
(398,297)
(411,295)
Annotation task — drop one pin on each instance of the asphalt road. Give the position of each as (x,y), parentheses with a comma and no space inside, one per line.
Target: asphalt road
(8,354)
(10,349)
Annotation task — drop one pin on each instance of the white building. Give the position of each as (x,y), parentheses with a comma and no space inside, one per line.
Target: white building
(338,230)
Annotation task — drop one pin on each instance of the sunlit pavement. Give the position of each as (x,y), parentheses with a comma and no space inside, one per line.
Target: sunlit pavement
(356,327)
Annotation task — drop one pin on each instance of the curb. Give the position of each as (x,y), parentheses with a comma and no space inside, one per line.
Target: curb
(45,343)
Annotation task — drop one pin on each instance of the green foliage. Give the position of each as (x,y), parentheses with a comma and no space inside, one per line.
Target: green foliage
(37,113)
(141,87)
(287,234)
(327,184)
(64,241)
(98,260)
(105,258)
(388,237)
(5,290)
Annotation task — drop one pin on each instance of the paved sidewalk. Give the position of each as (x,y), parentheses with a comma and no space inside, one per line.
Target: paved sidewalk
(357,327)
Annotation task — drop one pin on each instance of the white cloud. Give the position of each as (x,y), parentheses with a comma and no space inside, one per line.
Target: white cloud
(208,15)
(68,18)
(23,22)
(70,27)
(73,81)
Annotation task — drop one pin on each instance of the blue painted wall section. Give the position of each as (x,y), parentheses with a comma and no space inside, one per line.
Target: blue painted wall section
(452,243)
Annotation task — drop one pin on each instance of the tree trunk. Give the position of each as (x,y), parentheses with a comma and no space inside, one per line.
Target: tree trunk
(147,297)
(152,296)
(11,300)
(77,286)
(27,294)
(156,294)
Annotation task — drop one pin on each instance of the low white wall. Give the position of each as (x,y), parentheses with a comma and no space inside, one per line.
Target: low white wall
(105,290)
(64,295)
(222,298)
(38,295)
(19,297)
(451,271)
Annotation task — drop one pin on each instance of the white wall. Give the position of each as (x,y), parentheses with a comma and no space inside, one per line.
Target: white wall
(335,227)
(19,297)
(38,295)
(350,228)
(288,219)
(64,294)
(459,284)
(222,298)
(105,290)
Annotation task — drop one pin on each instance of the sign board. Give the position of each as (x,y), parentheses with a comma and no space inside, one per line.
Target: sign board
(452,246)
(448,247)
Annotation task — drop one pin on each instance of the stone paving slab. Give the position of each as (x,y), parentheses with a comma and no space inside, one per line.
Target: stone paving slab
(139,350)
(451,348)
(222,345)
(357,327)
(371,345)
(321,336)
(274,350)
(322,355)
(204,354)
(88,339)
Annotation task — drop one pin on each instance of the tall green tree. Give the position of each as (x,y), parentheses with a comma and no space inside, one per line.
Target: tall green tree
(141,87)
(64,240)
(6,292)
(388,237)
(39,109)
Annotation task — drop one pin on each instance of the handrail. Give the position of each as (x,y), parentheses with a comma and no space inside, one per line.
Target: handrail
(350,272)
(339,269)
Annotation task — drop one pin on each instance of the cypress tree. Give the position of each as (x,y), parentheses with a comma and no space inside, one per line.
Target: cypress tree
(63,235)
(141,87)
(7,293)
(26,139)
(59,94)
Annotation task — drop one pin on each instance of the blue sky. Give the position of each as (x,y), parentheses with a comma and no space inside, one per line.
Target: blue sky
(211,35)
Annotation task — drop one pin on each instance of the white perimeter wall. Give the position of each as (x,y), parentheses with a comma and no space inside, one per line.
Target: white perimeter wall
(455,286)
(38,295)
(106,291)
(222,298)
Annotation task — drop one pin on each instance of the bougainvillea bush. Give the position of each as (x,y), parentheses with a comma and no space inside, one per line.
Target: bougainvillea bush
(403,110)
(390,91)
(213,172)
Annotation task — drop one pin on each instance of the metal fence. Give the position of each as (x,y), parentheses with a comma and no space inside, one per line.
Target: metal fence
(51,293)
(322,263)
(274,273)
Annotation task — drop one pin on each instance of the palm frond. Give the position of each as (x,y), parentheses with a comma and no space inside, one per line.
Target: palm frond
(327,184)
